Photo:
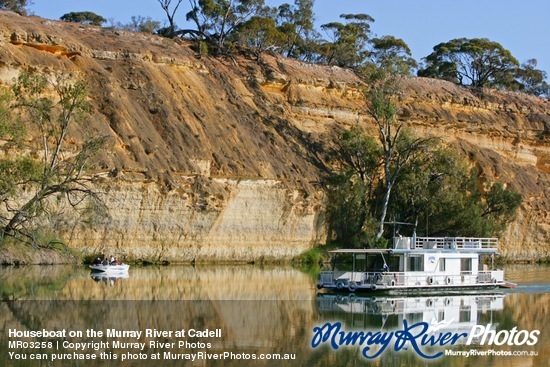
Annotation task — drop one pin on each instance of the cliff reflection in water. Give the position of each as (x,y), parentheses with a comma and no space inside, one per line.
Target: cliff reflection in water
(260,310)
(158,283)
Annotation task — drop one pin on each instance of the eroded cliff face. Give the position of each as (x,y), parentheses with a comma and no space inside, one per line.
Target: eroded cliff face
(222,159)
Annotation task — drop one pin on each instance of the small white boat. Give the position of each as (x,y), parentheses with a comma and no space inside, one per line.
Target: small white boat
(418,264)
(110,269)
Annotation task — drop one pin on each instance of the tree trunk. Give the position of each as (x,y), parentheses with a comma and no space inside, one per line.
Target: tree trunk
(385,204)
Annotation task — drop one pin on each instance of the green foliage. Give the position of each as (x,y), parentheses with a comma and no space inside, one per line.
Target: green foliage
(501,204)
(352,187)
(84,17)
(530,80)
(408,179)
(33,186)
(259,34)
(360,154)
(349,40)
(478,62)
(346,210)
(392,54)
(10,129)
(217,20)
(437,185)
(17,6)
(312,256)
(297,24)
(440,194)
(16,172)
(141,24)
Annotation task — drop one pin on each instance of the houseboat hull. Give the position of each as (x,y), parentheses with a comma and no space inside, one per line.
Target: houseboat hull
(455,289)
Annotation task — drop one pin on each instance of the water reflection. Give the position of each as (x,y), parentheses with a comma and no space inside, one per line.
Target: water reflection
(447,313)
(159,283)
(108,279)
(260,310)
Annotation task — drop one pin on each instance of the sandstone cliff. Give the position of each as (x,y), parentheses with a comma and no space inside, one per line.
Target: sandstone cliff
(219,159)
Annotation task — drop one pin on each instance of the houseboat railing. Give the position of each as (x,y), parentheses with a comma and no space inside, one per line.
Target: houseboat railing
(443,243)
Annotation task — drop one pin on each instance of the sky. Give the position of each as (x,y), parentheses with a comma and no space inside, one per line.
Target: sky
(522,27)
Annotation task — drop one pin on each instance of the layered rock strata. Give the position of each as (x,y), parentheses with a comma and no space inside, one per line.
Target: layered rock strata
(222,159)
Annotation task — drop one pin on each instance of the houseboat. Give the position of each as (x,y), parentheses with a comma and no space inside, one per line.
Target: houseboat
(417,264)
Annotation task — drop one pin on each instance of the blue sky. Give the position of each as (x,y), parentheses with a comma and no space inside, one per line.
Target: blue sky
(520,26)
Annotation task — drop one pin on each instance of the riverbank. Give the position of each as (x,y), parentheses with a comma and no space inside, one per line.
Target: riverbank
(59,254)
(26,254)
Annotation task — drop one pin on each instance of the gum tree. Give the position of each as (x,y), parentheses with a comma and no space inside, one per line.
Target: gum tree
(216,20)
(170,8)
(398,144)
(18,6)
(393,54)
(478,62)
(349,40)
(84,17)
(53,172)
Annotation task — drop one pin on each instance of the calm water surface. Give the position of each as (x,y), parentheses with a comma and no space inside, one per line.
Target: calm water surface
(259,310)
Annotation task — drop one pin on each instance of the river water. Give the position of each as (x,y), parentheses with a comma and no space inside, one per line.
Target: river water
(260,316)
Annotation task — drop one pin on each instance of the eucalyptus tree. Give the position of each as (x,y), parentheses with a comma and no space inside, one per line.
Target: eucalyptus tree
(352,189)
(84,17)
(478,62)
(53,172)
(18,6)
(398,144)
(348,42)
(296,22)
(531,80)
(170,9)
(437,193)
(392,53)
(260,34)
(141,24)
(217,20)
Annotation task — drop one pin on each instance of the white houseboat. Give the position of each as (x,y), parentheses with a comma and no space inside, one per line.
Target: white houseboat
(418,264)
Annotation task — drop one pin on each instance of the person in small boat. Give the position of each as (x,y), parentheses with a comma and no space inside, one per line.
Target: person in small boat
(96,261)
(105,262)
(114,261)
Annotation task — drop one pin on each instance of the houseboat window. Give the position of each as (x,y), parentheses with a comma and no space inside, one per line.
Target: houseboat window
(394,263)
(360,262)
(465,264)
(442,265)
(375,262)
(416,263)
